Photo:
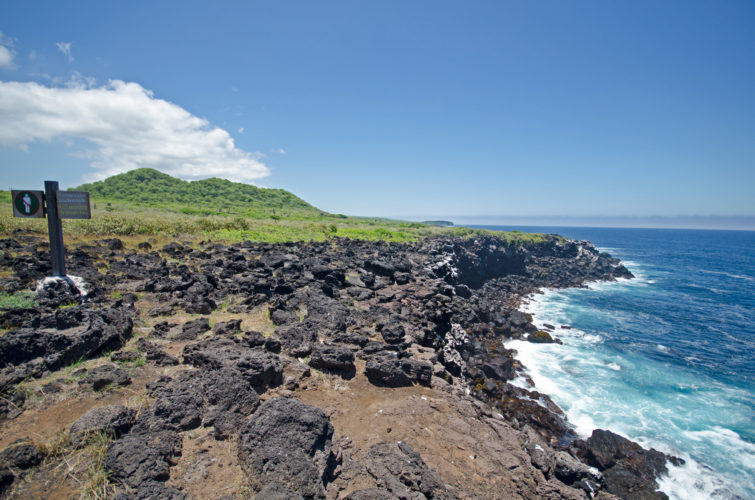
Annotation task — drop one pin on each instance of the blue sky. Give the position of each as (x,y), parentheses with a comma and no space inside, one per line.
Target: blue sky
(394,108)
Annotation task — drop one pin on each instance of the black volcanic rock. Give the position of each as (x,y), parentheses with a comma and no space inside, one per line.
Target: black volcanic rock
(115,420)
(289,443)
(391,371)
(257,365)
(104,376)
(439,306)
(21,454)
(629,471)
(400,470)
(332,358)
(192,329)
(221,398)
(136,459)
(28,352)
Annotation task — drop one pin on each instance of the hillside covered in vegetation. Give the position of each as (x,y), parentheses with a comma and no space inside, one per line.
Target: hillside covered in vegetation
(146,186)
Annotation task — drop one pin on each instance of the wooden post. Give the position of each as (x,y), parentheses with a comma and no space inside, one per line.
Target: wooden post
(55,228)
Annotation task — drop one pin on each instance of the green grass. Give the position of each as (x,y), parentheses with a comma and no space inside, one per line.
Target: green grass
(147,203)
(17,300)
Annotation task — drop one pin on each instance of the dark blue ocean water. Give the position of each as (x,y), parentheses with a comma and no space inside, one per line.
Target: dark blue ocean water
(666,359)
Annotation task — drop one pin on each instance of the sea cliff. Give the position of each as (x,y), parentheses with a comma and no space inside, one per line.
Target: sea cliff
(340,369)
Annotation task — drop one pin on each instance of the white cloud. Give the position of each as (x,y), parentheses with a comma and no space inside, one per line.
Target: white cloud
(65,48)
(6,56)
(6,51)
(32,55)
(129,128)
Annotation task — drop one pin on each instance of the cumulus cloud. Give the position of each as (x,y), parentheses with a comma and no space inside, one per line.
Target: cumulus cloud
(128,127)
(65,48)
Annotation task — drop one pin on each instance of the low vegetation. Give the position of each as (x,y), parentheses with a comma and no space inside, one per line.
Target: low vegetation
(145,202)
(16,300)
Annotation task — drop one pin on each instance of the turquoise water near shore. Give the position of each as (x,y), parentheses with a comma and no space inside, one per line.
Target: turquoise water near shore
(666,359)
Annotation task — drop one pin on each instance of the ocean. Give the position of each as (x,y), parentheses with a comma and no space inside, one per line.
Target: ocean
(666,359)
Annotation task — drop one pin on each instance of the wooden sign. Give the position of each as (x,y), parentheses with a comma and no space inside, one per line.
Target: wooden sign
(74,205)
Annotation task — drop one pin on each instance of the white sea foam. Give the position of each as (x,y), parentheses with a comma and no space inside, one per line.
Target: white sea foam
(692,481)
(729,275)
(584,377)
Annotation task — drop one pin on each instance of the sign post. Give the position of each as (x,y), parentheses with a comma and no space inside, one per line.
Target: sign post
(56,205)
(55,228)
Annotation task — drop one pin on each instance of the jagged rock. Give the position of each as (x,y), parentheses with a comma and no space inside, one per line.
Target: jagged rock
(534,408)
(104,376)
(32,351)
(11,401)
(125,356)
(160,357)
(135,459)
(400,470)
(112,243)
(227,328)
(162,328)
(569,470)
(298,339)
(14,318)
(259,366)
(201,305)
(69,317)
(276,491)
(174,249)
(370,494)
(284,317)
(332,357)
(161,310)
(629,470)
(455,342)
(540,337)
(153,490)
(500,368)
(288,443)
(6,479)
(56,292)
(394,372)
(380,267)
(393,333)
(21,454)
(192,329)
(114,420)
(349,338)
(221,398)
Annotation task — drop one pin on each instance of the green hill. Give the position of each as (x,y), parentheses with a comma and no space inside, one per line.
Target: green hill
(146,186)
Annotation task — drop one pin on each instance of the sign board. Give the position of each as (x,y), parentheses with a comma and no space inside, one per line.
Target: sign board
(74,205)
(28,204)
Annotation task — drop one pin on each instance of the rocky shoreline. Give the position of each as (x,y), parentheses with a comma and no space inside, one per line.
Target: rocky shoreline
(338,329)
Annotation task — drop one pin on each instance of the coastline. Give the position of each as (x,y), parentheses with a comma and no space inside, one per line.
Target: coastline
(690,480)
(385,318)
